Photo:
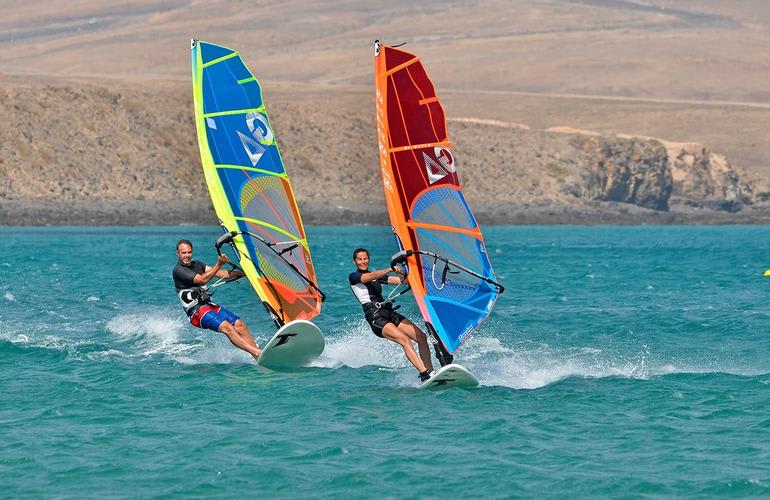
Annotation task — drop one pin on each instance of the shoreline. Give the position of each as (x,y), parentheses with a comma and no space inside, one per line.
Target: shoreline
(143,213)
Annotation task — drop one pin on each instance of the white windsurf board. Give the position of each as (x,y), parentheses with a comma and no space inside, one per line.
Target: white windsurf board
(295,344)
(449,376)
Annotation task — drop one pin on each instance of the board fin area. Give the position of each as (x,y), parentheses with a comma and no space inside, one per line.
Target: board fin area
(449,376)
(294,345)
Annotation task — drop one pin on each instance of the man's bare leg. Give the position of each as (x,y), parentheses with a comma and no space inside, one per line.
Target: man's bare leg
(392,333)
(228,329)
(243,331)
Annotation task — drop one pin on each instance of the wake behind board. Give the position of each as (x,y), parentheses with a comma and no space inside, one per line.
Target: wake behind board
(450,376)
(295,344)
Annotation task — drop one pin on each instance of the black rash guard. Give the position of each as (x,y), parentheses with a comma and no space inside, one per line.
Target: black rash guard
(369,292)
(186,289)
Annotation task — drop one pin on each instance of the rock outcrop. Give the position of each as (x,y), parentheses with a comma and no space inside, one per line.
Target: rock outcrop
(631,171)
(704,178)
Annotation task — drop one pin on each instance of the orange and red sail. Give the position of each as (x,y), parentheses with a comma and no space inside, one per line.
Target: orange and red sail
(450,275)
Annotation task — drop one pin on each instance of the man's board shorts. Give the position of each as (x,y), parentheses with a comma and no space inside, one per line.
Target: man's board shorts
(379,317)
(210,316)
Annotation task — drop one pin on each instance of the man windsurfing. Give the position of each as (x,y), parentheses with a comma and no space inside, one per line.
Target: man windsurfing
(190,279)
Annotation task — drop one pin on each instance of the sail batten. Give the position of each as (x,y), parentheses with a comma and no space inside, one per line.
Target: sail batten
(419,146)
(440,227)
(260,109)
(249,187)
(221,59)
(252,169)
(450,274)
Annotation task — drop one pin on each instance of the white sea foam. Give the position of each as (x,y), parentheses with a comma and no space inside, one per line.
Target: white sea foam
(33,337)
(152,324)
(355,345)
(150,332)
(108,354)
(92,299)
(526,366)
(9,297)
(166,332)
(531,366)
(18,339)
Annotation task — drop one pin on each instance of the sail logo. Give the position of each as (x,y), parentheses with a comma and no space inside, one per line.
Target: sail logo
(441,166)
(261,136)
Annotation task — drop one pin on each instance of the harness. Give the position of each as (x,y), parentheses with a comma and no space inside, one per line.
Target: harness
(194,297)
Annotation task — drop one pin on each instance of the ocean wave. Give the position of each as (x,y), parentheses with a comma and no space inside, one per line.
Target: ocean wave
(532,366)
(528,365)
(166,333)
(151,332)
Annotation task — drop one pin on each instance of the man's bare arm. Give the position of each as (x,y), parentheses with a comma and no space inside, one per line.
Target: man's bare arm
(211,272)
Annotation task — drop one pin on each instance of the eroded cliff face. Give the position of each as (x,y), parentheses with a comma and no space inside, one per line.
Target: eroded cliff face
(99,146)
(655,174)
(630,171)
(704,178)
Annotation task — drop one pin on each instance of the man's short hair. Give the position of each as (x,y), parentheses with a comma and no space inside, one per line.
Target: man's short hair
(359,250)
(183,242)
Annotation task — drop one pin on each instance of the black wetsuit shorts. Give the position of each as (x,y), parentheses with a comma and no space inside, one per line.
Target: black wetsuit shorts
(379,317)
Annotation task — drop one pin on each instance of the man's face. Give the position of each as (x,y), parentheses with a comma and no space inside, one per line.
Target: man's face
(184,252)
(362,261)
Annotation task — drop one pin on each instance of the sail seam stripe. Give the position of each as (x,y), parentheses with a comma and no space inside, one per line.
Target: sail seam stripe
(440,227)
(419,146)
(220,59)
(252,169)
(247,80)
(271,226)
(260,109)
(400,66)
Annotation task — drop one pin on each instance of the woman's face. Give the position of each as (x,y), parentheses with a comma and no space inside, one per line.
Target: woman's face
(361,261)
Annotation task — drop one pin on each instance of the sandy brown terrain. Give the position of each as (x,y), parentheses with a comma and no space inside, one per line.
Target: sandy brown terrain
(97,107)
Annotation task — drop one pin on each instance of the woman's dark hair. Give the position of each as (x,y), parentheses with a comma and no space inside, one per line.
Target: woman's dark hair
(183,242)
(359,250)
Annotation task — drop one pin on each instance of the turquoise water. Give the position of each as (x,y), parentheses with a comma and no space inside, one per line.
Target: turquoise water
(620,361)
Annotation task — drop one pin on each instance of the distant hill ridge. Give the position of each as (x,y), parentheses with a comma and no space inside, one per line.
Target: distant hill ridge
(115,154)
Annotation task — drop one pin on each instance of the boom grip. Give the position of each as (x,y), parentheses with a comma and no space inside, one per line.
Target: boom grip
(225,239)
(400,258)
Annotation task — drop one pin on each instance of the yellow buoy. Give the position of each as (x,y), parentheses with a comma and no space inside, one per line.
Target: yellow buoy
(767,273)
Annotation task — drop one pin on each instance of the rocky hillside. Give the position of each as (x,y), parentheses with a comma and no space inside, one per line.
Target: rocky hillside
(101,154)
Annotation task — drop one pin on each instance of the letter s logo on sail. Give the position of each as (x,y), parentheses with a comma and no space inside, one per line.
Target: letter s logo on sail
(441,166)
(262,135)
